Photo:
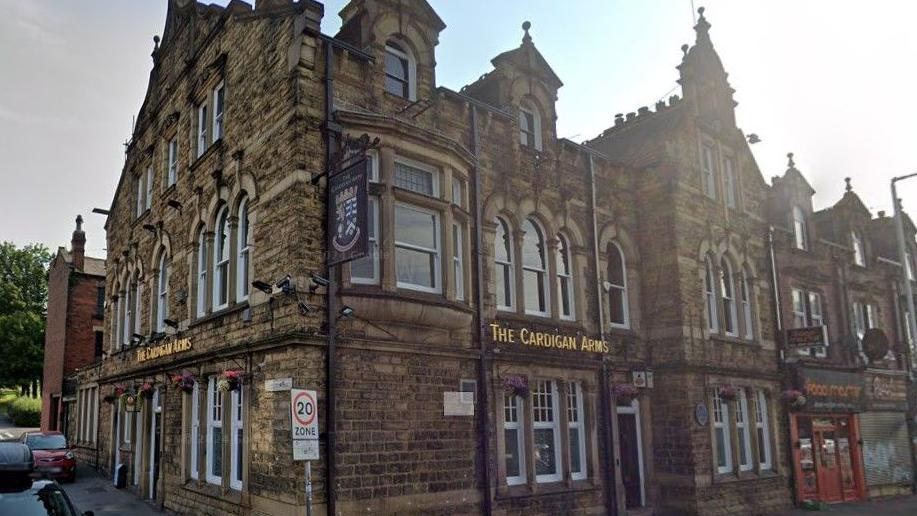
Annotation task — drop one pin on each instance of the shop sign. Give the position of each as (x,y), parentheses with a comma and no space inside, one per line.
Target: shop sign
(348,233)
(501,334)
(805,337)
(170,347)
(832,391)
(887,393)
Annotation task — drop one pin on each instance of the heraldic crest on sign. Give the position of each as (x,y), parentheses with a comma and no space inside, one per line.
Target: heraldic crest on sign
(347,232)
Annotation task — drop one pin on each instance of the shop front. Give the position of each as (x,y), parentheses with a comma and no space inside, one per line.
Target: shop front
(883,428)
(825,435)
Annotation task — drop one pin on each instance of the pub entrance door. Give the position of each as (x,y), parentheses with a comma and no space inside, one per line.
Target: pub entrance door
(631,453)
(826,458)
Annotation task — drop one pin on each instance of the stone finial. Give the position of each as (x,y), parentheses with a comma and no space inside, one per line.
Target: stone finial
(684,50)
(703,26)
(155,42)
(847,186)
(790,163)
(526,25)
(79,223)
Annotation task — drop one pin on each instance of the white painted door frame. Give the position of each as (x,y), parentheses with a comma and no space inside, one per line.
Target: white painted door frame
(634,409)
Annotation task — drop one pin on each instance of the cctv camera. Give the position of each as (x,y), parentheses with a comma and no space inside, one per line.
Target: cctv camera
(320,281)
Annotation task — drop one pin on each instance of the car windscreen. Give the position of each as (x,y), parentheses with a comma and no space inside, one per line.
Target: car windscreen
(46,442)
(49,500)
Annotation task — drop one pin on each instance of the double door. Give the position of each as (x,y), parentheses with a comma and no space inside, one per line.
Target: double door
(828,467)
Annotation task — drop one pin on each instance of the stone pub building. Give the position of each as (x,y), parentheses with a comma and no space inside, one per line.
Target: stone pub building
(524,335)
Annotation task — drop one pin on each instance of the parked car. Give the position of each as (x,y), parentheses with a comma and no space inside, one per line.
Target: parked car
(21,494)
(53,457)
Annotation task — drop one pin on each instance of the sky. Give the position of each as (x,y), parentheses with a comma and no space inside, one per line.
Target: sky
(831,80)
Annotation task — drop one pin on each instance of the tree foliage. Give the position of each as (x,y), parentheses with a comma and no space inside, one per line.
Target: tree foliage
(23,303)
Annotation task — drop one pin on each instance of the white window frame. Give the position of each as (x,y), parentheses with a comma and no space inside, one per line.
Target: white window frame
(622,289)
(525,132)
(422,167)
(202,142)
(236,443)
(859,250)
(800,229)
(730,181)
(708,170)
(162,298)
(195,430)
(373,244)
(149,187)
(403,52)
(554,426)
(728,296)
(565,278)
(743,432)
(138,181)
(172,162)
(221,258)
(214,420)
(721,420)
(540,273)
(435,252)
(202,273)
(373,157)
(508,266)
(458,267)
(576,424)
(517,411)
(219,97)
(138,296)
(713,323)
(243,260)
(763,430)
(458,191)
(746,306)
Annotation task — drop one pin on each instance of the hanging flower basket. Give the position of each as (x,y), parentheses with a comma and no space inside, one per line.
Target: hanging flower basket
(147,390)
(625,391)
(230,380)
(728,392)
(794,398)
(119,390)
(518,385)
(184,381)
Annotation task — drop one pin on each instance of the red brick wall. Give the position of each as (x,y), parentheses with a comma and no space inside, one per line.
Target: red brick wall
(82,316)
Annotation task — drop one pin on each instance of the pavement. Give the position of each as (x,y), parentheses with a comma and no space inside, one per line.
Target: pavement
(897,506)
(93,492)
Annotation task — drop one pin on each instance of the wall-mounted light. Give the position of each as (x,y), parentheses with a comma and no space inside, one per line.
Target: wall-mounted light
(170,323)
(263,286)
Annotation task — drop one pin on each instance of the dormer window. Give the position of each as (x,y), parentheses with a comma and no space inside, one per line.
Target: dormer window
(399,71)
(800,230)
(529,126)
(859,251)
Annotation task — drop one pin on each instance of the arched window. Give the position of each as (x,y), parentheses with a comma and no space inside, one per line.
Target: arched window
(859,251)
(244,246)
(162,298)
(727,290)
(746,307)
(534,269)
(400,70)
(221,261)
(529,126)
(201,273)
(617,287)
(564,278)
(710,294)
(799,229)
(503,266)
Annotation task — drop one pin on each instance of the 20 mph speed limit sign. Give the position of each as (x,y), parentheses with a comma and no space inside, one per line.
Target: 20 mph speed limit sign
(304,416)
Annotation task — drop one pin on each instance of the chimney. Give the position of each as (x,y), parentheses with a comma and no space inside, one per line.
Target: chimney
(78,244)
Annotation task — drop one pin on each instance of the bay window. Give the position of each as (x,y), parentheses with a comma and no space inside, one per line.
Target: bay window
(214,433)
(505,280)
(534,269)
(366,269)
(546,431)
(417,248)
(457,266)
(416,177)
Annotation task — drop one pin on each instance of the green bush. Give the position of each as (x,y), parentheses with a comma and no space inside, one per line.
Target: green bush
(25,411)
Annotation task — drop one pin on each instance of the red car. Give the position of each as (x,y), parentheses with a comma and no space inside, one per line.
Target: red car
(51,454)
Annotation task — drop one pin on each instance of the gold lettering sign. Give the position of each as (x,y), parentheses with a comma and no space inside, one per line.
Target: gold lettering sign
(542,339)
(165,349)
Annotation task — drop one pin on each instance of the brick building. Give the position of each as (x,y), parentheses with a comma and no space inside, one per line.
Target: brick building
(616,359)
(838,272)
(75,328)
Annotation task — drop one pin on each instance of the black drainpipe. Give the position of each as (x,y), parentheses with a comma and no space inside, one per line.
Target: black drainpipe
(610,461)
(483,365)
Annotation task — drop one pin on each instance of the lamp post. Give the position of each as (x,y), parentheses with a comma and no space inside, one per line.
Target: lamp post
(903,258)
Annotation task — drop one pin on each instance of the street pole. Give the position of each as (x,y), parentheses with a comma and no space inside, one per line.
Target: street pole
(308,488)
(909,318)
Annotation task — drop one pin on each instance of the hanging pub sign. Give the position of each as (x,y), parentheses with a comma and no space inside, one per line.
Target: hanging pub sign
(828,390)
(805,337)
(875,344)
(348,232)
